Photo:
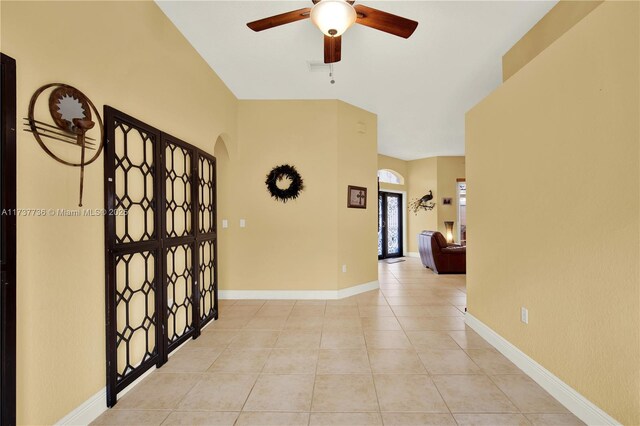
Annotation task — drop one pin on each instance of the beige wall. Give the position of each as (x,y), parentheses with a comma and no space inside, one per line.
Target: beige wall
(145,67)
(450,169)
(357,165)
(558,21)
(438,174)
(422,176)
(552,174)
(226,210)
(288,245)
(301,244)
(397,165)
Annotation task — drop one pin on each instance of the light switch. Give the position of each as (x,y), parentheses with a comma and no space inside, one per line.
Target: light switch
(225,223)
(243,223)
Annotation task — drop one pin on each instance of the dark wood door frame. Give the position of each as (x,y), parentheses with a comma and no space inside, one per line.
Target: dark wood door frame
(8,243)
(385,195)
(118,252)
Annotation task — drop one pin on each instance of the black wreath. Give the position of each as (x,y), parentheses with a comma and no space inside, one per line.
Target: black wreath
(277,174)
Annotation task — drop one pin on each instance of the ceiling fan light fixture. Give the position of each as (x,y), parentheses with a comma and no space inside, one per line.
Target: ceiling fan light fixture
(333,17)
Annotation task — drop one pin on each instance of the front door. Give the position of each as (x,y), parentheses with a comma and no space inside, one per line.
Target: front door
(389,225)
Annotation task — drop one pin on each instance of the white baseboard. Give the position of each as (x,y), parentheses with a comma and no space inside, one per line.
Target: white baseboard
(357,289)
(580,406)
(86,412)
(93,407)
(413,254)
(298,294)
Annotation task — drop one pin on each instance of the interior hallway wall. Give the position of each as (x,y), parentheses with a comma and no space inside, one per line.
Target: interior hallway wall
(144,66)
(135,60)
(553,182)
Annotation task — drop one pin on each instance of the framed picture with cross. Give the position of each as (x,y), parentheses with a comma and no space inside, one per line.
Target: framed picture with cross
(357,197)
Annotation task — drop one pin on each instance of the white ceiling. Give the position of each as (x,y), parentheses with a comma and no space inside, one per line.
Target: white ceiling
(420,88)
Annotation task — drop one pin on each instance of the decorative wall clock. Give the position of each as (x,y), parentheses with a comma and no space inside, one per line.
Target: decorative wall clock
(72,113)
(280,174)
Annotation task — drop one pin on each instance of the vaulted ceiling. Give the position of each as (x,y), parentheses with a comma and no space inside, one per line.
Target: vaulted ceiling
(420,88)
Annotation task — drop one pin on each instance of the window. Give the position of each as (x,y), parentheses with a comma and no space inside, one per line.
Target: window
(462,211)
(389,176)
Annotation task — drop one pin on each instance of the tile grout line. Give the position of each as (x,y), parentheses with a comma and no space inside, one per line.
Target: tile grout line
(315,376)
(431,379)
(506,396)
(442,329)
(373,378)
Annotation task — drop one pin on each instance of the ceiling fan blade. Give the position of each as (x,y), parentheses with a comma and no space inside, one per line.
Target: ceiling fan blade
(277,20)
(383,21)
(332,49)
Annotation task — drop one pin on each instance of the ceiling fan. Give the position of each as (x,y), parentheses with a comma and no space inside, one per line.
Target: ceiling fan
(334,17)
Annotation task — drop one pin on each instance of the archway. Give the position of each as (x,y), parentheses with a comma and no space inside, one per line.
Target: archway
(224,188)
(392,217)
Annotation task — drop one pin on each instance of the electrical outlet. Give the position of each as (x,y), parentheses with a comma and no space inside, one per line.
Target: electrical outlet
(225,223)
(524,315)
(243,223)
(344,268)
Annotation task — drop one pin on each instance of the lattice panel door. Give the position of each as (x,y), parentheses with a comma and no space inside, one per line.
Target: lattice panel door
(133,262)
(179,293)
(162,256)
(179,240)
(178,176)
(206,236)
(136,317)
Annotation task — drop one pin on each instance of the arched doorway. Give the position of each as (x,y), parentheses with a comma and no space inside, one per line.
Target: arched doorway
(224,182)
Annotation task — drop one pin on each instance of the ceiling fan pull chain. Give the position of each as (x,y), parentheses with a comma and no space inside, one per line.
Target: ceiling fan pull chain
(331,76)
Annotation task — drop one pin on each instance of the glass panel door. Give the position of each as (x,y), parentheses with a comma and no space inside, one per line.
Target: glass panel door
(380,225)
(462,212)
(389,225)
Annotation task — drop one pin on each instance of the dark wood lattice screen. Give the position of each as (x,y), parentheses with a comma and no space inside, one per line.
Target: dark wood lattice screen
(207,247)
(156,299)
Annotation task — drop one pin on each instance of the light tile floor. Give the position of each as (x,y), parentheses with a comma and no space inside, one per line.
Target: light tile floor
(398,356)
